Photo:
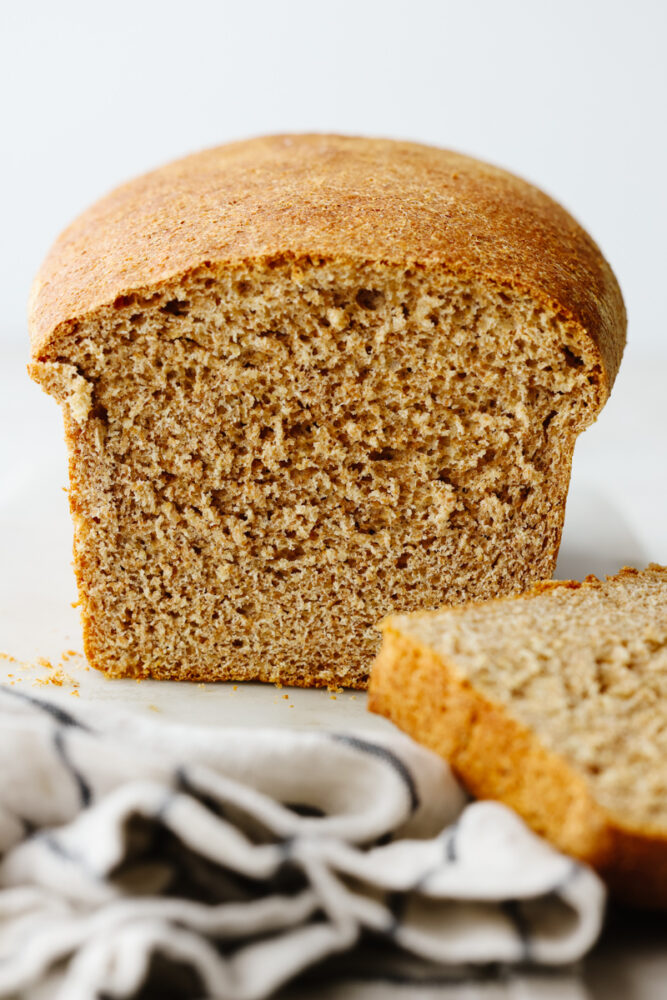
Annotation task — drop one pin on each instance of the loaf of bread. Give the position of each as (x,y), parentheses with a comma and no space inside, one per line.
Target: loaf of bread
(310,380)
(555,703)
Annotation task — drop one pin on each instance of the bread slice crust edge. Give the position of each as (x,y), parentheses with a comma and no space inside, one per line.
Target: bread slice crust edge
(496,757)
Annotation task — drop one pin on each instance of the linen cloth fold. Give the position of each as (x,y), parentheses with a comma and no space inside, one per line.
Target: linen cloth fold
(238,860)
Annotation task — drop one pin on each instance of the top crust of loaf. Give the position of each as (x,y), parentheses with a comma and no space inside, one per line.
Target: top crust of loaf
(324,197)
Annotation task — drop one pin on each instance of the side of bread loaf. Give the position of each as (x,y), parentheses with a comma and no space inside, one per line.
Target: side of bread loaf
(552,702)
(310,380)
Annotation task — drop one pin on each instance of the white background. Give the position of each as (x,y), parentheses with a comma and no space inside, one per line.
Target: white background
(572,94)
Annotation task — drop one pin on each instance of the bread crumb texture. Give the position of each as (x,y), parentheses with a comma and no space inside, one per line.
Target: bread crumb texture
(290,418)
(553,702)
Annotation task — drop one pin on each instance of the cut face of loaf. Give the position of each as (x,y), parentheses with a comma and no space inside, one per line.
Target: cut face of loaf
(269,454)
(273,459)
(555,703)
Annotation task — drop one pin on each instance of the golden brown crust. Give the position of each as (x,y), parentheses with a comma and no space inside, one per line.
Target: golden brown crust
(496,757)
(326,197)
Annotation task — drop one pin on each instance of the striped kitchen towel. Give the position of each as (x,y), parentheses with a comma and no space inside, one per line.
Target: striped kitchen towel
(140,858)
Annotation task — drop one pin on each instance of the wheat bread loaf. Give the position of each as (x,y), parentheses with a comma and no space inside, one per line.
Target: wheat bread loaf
(554,702)
(309,380)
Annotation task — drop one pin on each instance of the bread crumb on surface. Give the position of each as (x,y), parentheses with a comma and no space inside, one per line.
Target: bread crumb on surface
(44,671)
(57,677)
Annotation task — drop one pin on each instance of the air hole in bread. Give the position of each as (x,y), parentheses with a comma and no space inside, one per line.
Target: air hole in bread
(571,359)
(176,307)
(369,298)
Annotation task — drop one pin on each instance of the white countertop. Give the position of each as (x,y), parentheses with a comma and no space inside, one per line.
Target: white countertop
(615,517)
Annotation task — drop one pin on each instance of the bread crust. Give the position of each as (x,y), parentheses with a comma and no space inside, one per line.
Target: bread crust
(497,757)
(325,197)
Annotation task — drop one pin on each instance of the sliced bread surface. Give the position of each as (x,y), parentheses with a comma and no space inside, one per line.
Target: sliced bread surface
(554,702)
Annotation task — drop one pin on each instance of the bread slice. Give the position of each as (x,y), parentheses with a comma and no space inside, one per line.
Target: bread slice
(308,381)
(555,703)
